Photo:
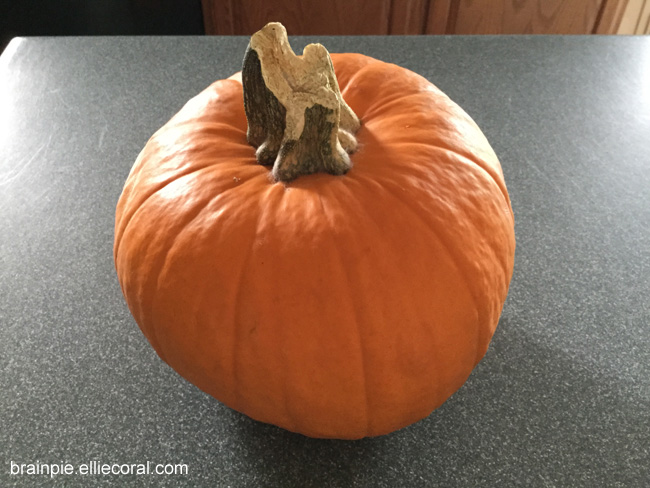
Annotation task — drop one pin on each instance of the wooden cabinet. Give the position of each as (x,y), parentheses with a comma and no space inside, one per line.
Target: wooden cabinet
(636,18)
(359,17)
(533,16)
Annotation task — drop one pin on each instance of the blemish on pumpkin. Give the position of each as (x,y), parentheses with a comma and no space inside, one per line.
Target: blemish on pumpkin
(235,179)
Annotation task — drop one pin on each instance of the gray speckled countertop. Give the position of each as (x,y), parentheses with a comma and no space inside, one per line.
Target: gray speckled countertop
(562,398)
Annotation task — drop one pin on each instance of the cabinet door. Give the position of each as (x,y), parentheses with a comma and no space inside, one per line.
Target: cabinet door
(636,18)
(331,17)
(532,16)
(320,17)
(381,17)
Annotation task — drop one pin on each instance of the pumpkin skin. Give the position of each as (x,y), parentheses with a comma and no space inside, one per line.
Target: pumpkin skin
(333,306)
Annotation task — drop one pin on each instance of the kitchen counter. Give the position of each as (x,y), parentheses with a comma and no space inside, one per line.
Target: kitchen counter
(562,397)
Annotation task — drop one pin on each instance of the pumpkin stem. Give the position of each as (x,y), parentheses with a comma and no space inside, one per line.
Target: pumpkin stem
(297,118)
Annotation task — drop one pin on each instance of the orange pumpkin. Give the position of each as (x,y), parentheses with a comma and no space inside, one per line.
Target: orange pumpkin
(336,306)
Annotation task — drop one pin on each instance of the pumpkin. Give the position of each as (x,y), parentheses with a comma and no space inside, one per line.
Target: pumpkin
(344,297)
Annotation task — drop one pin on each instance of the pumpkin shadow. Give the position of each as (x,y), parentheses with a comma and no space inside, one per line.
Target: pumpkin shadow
(286,459)
(527,413)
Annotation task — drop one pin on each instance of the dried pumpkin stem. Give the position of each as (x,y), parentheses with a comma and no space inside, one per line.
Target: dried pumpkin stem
(297,118)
